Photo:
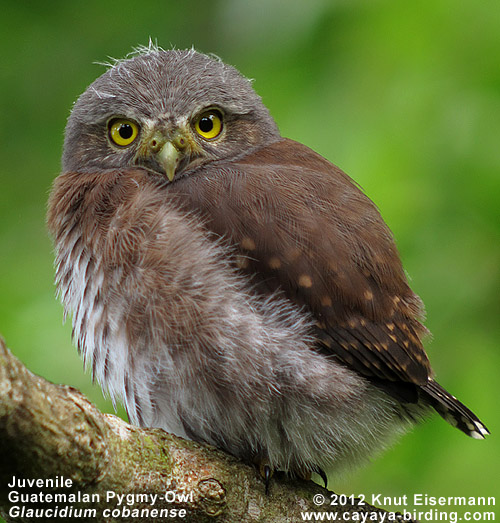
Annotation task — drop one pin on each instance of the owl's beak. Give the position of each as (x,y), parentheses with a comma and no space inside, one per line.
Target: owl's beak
(163,152)
(169,157)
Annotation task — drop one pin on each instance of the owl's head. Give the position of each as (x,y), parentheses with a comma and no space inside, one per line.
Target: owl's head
(168,111)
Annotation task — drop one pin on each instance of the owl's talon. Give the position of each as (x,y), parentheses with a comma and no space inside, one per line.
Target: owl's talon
(265,471)
(322,474)
(267,474)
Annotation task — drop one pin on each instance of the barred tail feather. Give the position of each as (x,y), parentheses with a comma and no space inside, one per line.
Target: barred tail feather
(454,412)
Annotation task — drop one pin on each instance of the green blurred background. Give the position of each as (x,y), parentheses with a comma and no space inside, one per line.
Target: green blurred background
(404,96)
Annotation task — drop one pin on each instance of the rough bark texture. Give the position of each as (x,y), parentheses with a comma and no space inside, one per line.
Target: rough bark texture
(53,431)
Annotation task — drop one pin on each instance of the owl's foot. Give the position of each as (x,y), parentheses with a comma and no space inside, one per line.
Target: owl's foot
(266,472)
(306,474)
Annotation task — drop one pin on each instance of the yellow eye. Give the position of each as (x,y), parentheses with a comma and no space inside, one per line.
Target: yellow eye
(209,124)
(123,132)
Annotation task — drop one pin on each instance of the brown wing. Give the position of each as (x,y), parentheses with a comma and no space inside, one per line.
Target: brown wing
(304,226)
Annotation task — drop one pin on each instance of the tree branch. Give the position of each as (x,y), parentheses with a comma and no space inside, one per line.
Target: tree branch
(53,434)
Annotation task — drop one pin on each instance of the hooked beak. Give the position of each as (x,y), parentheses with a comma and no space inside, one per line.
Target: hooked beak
(163,152)
(169,157)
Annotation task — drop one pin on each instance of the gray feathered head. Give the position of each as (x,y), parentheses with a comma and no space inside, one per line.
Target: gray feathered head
(168,111)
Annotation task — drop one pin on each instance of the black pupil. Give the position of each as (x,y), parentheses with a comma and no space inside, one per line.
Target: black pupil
(206,124)
(126,131)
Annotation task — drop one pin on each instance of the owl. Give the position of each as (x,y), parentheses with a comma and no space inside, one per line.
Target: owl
(229,285)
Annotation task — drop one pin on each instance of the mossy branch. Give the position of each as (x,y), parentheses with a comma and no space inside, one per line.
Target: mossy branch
(53,432)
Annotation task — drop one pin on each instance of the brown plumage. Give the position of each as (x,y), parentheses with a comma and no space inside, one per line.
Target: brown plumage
(228,284)
(331,250)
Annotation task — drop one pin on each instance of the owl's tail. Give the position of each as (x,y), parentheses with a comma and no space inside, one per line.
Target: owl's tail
(454,412)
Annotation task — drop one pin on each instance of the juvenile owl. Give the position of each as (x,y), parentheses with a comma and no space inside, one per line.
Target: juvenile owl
(230,285)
